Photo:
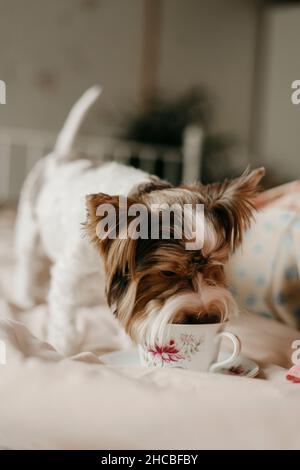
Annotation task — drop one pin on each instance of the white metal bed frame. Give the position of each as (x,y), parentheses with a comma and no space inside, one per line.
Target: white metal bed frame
(34,144)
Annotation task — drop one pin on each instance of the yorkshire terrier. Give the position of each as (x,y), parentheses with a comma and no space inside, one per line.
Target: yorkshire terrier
(152,282)
(149,282)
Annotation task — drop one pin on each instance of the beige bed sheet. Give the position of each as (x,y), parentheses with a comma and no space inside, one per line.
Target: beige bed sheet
(47,402)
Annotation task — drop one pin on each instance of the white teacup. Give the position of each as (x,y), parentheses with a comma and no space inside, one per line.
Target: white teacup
(193,347)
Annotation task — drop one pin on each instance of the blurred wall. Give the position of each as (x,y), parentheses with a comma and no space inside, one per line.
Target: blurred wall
(213,42)
(50,51)
(278,123)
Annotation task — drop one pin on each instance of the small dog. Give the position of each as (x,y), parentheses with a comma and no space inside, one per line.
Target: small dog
(149,282)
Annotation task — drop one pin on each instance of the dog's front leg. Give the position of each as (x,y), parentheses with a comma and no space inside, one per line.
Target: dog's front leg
(65,295)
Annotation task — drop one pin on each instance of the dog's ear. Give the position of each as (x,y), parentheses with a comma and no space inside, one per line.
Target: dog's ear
(106,223)
(107,215)
(232,203)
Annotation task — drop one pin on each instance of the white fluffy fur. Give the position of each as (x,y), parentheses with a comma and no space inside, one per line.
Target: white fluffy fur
(48,235)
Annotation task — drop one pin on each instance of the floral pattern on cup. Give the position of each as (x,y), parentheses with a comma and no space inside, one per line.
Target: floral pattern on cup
(172,354)
(190,345)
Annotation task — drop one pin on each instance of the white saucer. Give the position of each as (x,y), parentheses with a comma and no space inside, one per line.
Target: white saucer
(242,366)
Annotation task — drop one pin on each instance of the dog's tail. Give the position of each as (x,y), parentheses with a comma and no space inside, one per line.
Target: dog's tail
(66,137)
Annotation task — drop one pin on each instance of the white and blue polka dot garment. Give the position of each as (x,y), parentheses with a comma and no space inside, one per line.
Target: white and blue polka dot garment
(264,274)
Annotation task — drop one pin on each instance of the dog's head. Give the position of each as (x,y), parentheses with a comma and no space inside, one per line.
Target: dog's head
(154,275)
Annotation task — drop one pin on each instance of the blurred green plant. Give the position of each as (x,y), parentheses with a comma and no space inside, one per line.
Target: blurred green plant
(164,120)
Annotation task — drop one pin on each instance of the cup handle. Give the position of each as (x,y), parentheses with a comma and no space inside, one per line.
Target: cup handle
(236,351)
